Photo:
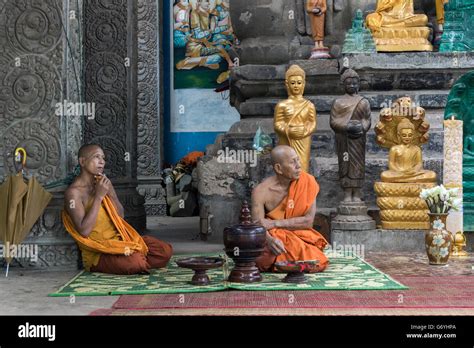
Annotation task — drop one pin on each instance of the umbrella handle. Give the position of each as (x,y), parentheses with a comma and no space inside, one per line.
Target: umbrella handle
(19,158)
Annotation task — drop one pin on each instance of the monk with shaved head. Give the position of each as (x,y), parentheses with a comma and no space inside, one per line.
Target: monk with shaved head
(285,204)
(94,217)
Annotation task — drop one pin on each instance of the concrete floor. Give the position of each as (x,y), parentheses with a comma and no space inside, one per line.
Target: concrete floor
(27,290)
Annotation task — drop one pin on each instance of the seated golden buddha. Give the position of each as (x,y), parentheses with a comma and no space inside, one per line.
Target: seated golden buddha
(396,27)
(405,160)
(403,129)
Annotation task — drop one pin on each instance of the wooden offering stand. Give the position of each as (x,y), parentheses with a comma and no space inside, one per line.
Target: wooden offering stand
(244,243)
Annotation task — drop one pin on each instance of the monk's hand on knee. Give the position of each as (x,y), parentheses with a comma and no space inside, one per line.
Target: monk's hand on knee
(276,246)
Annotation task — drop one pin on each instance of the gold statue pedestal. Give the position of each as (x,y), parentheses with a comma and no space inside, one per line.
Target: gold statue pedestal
(401,206)
(402,39)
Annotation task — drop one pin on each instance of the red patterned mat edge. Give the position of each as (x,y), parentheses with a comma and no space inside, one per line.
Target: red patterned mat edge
(460,291)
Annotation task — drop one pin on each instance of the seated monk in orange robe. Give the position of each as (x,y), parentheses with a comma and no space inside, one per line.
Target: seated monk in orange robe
(285,204)
(93,216)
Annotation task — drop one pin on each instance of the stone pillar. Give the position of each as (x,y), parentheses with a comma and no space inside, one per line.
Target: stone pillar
(452,167)
(149,107)
(111,83)
(39,50)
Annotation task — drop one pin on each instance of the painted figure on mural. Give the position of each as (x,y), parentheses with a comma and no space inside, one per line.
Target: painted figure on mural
(182,28)
(350,120)
(211,35)
(295,117)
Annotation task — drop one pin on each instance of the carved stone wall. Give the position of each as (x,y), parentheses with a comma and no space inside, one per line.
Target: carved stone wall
(35,74)
(149,107)
(111,83)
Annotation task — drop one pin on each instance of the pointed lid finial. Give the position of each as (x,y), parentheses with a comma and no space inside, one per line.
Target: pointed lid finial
(245,215)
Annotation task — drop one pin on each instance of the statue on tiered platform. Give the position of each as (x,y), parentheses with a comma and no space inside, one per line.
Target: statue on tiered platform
(317,13)
(460,106)
(359,38)
(396,27)
(350,120)
(458,35)
(403,129)
(295,117)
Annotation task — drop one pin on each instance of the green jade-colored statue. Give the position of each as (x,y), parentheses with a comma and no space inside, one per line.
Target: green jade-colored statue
(458,33)
(359,38)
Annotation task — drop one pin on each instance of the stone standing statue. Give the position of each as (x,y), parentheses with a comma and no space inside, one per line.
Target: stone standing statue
(317,13)
(350,120)
(295,117)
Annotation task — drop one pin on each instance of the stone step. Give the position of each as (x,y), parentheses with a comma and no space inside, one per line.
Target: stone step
(428,99)
(379,72)
(429,61)
(385,240)
(323,144)
(241,137)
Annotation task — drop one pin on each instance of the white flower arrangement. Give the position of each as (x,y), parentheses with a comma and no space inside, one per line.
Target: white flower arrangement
(441,200)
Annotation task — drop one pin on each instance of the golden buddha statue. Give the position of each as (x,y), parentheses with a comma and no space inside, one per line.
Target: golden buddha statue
(396,28)
(405,160)
(403,129)
(295,117)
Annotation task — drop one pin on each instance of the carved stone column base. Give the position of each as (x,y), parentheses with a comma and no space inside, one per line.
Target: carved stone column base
(133,204)
(352,216)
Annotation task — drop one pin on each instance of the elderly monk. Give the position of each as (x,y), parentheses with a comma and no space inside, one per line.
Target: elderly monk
(285,204)
(93,215)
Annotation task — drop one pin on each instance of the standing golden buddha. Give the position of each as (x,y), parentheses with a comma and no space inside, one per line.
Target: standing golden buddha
(295,117)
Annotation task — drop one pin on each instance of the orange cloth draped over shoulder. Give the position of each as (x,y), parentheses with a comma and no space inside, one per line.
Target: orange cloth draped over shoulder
(300,245)
(111,235)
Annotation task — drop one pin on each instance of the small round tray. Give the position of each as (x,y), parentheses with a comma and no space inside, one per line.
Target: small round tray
(295,270)
(200,265)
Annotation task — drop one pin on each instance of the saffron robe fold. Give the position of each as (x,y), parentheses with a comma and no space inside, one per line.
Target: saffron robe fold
(112,235)
(300,245)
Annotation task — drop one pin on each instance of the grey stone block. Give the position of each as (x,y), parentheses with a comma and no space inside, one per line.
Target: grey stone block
(262,106)
(411,61)
(381,240)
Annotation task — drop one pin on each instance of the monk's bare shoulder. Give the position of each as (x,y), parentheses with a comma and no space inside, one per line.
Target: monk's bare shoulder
(264,185)
(75,193)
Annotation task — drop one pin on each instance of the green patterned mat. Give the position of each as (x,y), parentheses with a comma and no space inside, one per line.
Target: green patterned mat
(345,272)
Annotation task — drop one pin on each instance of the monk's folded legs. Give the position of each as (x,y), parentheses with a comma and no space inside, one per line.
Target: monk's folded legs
(159,253)
(121,264)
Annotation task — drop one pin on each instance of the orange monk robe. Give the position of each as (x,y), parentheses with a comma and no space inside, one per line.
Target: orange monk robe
(300,245)
(114,246)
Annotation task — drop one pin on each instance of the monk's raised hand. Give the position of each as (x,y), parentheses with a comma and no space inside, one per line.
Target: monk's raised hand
(102,187)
